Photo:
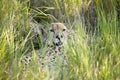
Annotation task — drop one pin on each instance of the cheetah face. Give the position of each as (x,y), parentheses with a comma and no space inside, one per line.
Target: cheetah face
(59,34)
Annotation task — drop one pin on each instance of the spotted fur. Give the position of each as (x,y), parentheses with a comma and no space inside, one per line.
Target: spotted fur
(54,53)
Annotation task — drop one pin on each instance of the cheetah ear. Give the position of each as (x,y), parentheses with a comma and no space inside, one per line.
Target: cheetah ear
(51,29)
(52,24)
(44,33)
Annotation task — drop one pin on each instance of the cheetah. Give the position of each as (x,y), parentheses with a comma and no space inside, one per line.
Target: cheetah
(54,54)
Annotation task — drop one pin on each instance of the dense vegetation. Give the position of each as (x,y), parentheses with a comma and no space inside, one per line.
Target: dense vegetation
(96,55)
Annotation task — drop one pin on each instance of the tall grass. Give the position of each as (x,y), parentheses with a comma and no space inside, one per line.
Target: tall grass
(13,20)
(90,57)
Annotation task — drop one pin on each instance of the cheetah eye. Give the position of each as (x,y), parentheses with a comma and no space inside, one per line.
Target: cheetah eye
(64,29)
(51,30)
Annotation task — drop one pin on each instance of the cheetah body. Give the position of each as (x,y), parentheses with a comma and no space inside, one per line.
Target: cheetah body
(54,54)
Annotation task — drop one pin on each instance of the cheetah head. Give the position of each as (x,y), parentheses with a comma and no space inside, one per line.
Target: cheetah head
(59,34)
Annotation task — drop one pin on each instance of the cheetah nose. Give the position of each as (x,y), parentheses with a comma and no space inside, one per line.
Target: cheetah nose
(57,37)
